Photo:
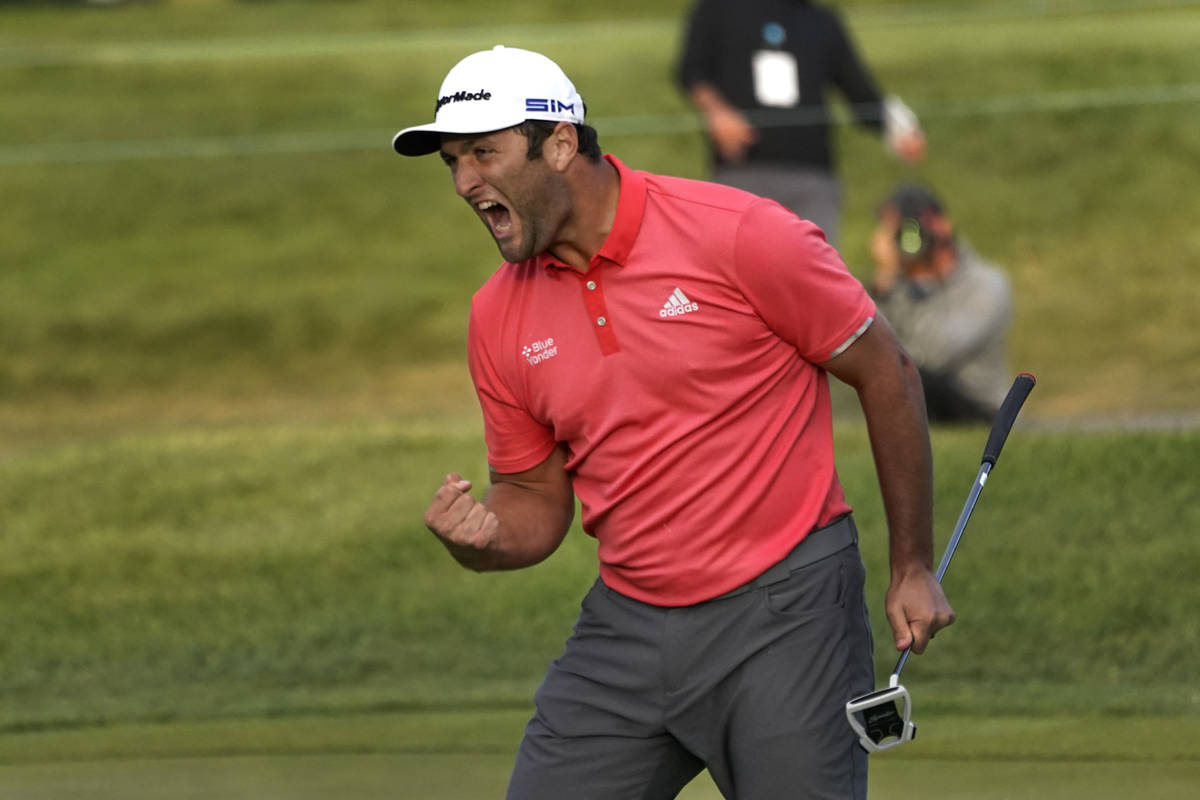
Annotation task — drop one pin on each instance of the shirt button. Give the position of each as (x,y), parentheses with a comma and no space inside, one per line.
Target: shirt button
(591,285)
(601,321)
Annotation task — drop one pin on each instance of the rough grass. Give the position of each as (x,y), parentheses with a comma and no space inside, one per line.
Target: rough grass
(284,569)
(274,247)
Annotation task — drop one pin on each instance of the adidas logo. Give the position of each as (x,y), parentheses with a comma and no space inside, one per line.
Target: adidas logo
(677,305)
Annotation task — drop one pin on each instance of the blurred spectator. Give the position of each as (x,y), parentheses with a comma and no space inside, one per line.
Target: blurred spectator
(759,70)
(950,308)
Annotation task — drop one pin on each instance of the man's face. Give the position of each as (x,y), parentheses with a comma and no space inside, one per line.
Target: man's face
(923,246)
(523,202)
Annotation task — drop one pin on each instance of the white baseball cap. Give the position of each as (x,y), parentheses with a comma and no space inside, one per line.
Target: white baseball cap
(492,90)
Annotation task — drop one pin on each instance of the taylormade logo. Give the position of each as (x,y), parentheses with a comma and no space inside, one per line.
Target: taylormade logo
(459,97)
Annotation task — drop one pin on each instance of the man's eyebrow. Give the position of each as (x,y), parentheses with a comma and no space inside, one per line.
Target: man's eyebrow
(457,144)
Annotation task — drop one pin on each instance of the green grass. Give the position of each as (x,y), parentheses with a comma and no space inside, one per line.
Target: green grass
(231,373)
(970,736)
(450,777)
(284,569)
(226,274)
(464,755)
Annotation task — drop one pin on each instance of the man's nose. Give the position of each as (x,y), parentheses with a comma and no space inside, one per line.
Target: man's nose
(466,179)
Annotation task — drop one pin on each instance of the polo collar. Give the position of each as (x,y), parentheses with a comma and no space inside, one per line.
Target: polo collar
(631,203)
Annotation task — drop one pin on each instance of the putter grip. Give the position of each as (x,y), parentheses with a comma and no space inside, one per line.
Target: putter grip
(1006,416)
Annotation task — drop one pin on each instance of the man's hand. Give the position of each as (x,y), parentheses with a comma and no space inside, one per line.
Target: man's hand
(910,147)
(885,252)
(902,130)
(916,609)
(730,131)
(465,526)
(521,520)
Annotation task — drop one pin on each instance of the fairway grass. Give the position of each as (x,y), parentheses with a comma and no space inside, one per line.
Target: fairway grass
(483,777)
(467,756)
(968,736)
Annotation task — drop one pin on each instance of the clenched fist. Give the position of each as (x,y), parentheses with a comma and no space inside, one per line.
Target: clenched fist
(465,526)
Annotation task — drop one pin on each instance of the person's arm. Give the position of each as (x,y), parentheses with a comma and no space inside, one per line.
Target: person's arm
(889,115)
(853,79)
(885,254)
(902,130)
(889,389)
(699,75)
(730,131)
(521,520)
(702,38)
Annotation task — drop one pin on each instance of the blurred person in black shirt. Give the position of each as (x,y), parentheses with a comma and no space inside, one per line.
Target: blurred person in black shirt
(759,71)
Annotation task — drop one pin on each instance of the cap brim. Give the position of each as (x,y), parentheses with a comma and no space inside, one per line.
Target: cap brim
(418,141)
(422,140)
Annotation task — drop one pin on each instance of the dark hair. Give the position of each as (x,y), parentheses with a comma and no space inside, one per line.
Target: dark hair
(537,131)
(915,200)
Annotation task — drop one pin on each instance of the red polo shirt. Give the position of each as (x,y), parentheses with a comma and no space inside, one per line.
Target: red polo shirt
(680,372)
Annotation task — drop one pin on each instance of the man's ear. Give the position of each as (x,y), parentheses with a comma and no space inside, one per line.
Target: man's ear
(561,147)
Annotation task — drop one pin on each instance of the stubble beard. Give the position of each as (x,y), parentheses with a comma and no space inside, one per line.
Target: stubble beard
(548,207)
(522,249)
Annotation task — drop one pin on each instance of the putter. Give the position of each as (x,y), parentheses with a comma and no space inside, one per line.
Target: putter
(883,718)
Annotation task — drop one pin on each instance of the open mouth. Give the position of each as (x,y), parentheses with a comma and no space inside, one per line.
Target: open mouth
(497,217)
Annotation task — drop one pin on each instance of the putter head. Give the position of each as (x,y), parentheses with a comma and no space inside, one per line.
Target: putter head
(882,719)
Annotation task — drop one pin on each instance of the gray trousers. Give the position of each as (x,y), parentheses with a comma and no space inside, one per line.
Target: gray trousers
(752,687)
(815,195)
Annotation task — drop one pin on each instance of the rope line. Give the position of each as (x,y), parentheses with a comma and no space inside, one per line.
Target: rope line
(631,125)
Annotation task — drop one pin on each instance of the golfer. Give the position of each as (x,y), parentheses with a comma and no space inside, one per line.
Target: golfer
(659,348)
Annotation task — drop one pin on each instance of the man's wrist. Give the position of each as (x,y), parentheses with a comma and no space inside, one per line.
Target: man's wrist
(910,567)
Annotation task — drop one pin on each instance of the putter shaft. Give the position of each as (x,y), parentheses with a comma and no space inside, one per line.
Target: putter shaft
(952,545)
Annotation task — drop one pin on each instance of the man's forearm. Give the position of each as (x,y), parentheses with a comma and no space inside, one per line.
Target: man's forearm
(521,520)
(889,389)
(895,415)
(531,527)
(707,98)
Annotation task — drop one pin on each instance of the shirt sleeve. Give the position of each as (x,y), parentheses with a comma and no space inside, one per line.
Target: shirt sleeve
(854,80)
(515,440)
(798,283)
(701,45)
